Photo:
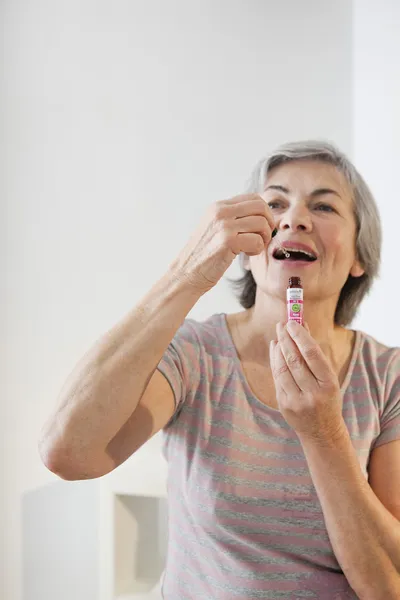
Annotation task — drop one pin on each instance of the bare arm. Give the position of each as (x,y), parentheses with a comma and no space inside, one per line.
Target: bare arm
(364,535)
(98,423)
(115,400)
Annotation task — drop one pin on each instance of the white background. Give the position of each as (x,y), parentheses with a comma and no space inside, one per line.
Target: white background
(121,122)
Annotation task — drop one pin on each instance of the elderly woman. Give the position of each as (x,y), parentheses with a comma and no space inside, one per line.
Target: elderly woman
(283,441)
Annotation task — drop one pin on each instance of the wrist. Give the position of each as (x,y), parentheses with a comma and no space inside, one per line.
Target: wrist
(186,282)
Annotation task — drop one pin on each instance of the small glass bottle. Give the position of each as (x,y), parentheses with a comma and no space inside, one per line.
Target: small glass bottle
(294,300)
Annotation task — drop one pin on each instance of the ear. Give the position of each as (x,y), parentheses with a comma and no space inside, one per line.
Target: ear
(356,269)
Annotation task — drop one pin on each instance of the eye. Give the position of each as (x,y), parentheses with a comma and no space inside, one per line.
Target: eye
(325,208)
(275,204)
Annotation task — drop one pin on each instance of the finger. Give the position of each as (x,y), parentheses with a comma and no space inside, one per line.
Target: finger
(248,243)
(266,197)
(248,205)
(281,372)
(312,354)
(254,224)
(268,214)
(239,199)
(271,354)
(298,368)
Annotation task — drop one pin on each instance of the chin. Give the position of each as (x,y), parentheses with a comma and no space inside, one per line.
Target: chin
(274,287)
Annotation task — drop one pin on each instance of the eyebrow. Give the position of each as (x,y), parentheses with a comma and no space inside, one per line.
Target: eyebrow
(314,193)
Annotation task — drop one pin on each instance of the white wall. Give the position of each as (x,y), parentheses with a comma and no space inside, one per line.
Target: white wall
(376,106)
(123,121)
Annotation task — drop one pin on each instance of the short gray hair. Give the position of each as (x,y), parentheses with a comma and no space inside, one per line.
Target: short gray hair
(368,224)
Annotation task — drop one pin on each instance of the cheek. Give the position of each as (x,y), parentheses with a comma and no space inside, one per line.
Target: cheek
(342,250)
(338,240)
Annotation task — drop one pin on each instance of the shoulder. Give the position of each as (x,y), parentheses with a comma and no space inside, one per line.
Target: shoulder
(211,334)
(374,351)
(379,360)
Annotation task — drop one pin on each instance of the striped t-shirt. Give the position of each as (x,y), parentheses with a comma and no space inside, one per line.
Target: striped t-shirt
(244,516)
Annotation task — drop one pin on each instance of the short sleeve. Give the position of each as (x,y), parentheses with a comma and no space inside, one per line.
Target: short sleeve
(390,419)
(180,364)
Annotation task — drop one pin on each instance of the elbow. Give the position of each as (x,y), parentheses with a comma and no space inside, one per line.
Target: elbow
(56,463)
(65,465)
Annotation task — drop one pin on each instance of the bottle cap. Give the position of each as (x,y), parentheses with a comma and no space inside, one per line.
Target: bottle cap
(295,281)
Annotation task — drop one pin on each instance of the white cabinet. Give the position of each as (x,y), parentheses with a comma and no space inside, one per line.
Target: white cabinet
(139,543)
(102,539)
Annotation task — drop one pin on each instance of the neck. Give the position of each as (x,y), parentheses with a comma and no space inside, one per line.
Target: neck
(258,325)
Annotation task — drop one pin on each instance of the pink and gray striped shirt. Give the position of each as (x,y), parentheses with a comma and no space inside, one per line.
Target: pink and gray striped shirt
(244,516)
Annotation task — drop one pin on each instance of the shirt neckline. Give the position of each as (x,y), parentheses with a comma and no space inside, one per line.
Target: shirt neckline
(228,336)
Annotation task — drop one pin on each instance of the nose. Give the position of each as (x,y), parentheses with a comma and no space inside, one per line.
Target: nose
(296,218)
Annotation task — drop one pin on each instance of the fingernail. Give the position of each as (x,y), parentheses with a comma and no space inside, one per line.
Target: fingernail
(275,231)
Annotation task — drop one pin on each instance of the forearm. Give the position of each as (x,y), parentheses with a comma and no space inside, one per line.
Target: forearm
(105,387)
(364,535)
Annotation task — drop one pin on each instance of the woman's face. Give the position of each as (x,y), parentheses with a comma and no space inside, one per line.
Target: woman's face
(312,205)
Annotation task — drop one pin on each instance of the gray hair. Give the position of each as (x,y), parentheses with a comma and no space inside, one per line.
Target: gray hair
(368,224)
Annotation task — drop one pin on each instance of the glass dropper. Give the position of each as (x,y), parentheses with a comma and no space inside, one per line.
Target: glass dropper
(285,252)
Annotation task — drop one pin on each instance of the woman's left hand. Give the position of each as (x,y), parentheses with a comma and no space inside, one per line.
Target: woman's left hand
(307,388)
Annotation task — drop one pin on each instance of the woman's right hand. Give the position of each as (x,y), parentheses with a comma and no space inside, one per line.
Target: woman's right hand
(242,224)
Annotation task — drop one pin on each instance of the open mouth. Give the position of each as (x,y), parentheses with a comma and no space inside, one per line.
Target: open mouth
(294,255)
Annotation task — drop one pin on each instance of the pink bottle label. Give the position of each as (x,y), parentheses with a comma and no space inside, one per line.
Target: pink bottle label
(295,305)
